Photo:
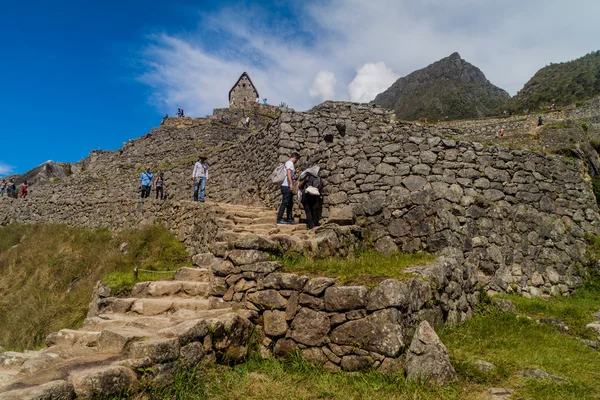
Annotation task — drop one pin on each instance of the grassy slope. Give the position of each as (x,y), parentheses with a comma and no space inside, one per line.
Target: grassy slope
(48,272)
(562,83)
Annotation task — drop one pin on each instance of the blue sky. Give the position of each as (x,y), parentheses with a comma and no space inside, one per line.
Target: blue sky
(77,76)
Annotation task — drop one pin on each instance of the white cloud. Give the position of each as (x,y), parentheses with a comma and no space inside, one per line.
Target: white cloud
(5,169)
(370,80)
(323,87)
(195,70)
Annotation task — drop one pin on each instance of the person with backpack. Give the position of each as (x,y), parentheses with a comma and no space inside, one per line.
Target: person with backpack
(311,187)
(3,185)
(11,189)
(200,176)
(287,190)
(159,185)
(146,182)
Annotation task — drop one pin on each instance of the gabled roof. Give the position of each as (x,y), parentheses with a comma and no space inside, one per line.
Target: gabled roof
(238,81)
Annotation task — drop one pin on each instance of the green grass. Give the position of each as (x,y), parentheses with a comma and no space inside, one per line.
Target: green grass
(559,125)
(515,343)
(365,268)
(576,311)
(294,379)
(48,272)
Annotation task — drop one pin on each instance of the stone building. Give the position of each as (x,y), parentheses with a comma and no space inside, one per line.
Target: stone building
(243,94)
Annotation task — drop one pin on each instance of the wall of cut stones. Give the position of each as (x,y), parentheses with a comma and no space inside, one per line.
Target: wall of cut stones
(341,327)
(519,217)
(195,226)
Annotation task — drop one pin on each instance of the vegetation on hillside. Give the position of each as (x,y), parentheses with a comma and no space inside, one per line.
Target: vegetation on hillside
(48,272)
(563,83)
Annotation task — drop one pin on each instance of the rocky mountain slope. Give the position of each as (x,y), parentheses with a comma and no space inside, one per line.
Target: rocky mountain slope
(450,86)
(563,83)
(49,171)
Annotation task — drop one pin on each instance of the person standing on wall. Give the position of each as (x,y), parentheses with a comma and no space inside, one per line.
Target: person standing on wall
(200,176)
(159,185)
(146,182)
(311,187)
(287,191)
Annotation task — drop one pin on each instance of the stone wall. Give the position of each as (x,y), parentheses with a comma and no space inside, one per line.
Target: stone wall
(342,327)
(195,226)
(260,115)
(519,217)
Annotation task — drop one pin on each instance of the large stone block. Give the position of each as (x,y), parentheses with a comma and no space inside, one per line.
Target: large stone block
(310,327)
(340,298)
(427,357)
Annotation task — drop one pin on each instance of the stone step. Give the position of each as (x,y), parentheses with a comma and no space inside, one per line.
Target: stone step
(97,324)
(71,337)
(193,274)
(171,288)
(151,307)
(117,338)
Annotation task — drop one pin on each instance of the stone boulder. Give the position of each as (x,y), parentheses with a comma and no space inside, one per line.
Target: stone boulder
(55,390)
(427,357)
(310,327)
(342,216)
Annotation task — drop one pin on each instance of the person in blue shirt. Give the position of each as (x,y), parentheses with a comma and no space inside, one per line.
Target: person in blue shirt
(146,182)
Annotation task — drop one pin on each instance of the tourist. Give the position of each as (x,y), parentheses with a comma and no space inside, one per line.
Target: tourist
(247,122)
(553,107)
(3,185)
(526,110)
(146,182)
(287,191)
(265,101)
(11,189)
(505,113)
(502,133)
(200,176)
(159,185)
(540,122)
(510,111)
(311,188)
(23,190)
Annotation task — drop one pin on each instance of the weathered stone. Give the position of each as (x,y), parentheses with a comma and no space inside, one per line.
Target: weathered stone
(275,323)
(265,267)
(314,355)
(54,390)
(414,182)
(191,354)
(391,366)
(285,347)
(309,301)
(267,299)
(484,366)
(103,382)
(310,327)
(355,363)
(244,257)
(285,281)
(158,350)
(389,293)
(342,215)
(505,305)
(386,245)
(372,334)
(316,286)
(427,357)
(340,298)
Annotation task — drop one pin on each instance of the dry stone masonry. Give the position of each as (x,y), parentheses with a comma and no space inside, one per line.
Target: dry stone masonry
(519,217)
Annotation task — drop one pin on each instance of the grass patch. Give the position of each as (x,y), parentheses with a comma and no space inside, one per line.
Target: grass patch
(516,343)
(367,267)
(294,379)
(576,311)
(559,125)
(48,272)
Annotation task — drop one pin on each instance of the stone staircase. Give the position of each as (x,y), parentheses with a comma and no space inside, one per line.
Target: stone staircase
(196,316)
(161,322)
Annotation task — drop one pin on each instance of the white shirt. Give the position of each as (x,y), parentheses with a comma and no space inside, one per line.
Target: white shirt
(200,170)
(289,165)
